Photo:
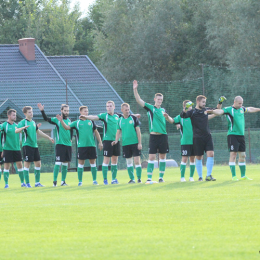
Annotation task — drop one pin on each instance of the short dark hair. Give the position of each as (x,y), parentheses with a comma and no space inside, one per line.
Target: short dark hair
(10,111)
(185,102)
(63,105)
(26,108)
(83,107)
(200,97)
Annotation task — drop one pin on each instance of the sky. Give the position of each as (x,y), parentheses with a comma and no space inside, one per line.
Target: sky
(84,4)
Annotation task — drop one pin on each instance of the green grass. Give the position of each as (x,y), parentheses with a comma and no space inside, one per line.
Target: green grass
(173,220)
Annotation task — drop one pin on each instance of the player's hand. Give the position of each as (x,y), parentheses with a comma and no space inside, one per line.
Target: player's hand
(40,106)
(210,111)
(165,115)
(39,125)
(59,117)
(25,127)
(188,105)
(52,140)
(139,146)
(82,117)
(178,126)
(135,84)
(137,115)
(114,143)
(100,146)
(221,99)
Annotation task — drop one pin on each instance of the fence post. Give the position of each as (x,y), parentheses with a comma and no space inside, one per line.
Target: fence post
(249,145)
(203,87)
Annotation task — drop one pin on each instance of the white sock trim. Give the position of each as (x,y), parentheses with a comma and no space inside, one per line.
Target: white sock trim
(93,165)
(6,170)
(151,161)
(80,165)
(113,164)
(58,163)
(183,163)
(37,168)
(192,163)
(26,169)
(130,165)
(103,164)
(232,163)
(241,163)
(65,164)
(20,170)
(162,160)
(136,166)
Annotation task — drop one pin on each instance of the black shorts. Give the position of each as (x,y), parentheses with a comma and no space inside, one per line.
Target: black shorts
(12,156)
(88,152)
(236,143)
(187,150)
(109,150)
(158,144)
(201,145)
(63,153)
(1,159)
(131,150)
(31,154)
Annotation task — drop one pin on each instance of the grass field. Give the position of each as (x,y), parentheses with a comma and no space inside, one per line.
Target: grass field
(172,220)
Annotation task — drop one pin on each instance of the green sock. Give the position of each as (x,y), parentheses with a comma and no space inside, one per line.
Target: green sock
(183,169)
(162,166)
(242,166)
(37,174)
(138,169)
(0,173)
(131,172)
(104,171)
(64,170)
(114,171)
(192,170)
(80,172)
(232,167)
(94,171)
(150,168)
(25,174)
(6,176)
(56,171)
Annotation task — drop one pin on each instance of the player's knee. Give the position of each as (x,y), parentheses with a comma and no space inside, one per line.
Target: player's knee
(242,155)
(184,159)
(129,162)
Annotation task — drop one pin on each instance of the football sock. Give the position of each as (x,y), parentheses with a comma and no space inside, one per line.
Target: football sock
(130,169)
(242,166)
(21,176)
(138,169)
(56,170)
(94,171)
(64,170)
(162,166)
(232,166)
(150,168)
(80,172)
(183,168)
(114,171)
(209,164)
(6,176)
(37,174)
(192,169)
(199,167)
(26,175)
(104,170)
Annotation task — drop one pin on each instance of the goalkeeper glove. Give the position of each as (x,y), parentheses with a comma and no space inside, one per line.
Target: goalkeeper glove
(221,99)
(188,104)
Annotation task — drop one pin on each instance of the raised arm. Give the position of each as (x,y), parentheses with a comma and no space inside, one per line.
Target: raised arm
(19,130)
(93,118)
(138,132)
(41,108)
(40,133)
(216,112)
(220,101)
(118,134)
(137,97)
(168,118)
(252,109)
(59,117)
(100,145)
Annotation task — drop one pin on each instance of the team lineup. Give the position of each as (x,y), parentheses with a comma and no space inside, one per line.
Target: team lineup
(196,140)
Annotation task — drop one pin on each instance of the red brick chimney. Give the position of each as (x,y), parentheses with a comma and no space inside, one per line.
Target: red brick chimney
(26,47)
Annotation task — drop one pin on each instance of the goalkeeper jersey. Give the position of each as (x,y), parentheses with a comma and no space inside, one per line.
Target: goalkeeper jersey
(186,130)
(29,135)
(157,122)
(236,120)
(11,140)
